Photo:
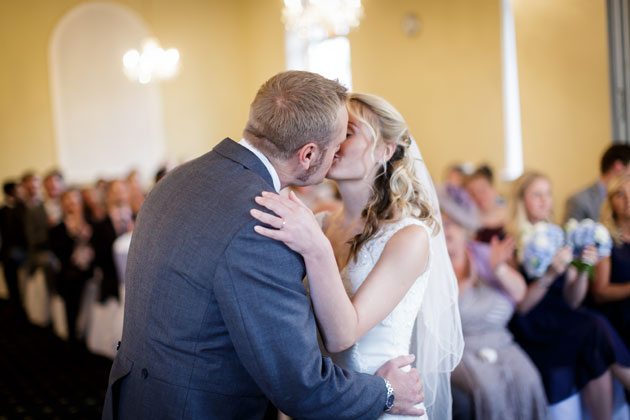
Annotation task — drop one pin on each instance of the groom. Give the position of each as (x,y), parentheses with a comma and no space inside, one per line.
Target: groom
(217,322)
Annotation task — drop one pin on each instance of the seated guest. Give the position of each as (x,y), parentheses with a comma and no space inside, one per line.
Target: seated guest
(460,204)
(456,174)
(611,288)
(575,349)
(586,203)
(119,219)
(54,187)
(495,371)
(70,241)
(491,206)
(12,245)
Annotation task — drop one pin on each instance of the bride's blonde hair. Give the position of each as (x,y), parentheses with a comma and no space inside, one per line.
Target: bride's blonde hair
(397,192)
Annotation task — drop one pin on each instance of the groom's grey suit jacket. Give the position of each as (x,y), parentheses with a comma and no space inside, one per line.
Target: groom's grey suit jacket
(217,321)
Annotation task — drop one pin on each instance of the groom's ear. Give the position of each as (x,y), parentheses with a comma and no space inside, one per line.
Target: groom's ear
(307,155)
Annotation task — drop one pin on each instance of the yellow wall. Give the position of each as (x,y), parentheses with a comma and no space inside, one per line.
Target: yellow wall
(564,81)
(446,81)
(224,59)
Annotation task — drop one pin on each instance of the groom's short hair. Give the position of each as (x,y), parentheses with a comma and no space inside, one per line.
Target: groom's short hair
(294,108)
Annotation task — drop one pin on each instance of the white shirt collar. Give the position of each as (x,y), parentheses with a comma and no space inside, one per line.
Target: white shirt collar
(265,161)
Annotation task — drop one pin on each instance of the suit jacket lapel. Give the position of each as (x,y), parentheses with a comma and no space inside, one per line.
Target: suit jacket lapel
(230,149)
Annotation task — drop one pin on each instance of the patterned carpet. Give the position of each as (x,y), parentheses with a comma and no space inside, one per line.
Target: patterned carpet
(43,377)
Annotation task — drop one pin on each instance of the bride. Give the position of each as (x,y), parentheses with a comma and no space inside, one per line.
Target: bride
(396,292)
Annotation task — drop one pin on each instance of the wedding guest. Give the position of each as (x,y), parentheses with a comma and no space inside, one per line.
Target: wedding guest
(492,207)
(94,205)
(119,220)
(495,371)
(54,187)
(587,202)
(12,244)
(35,222)
(573,348)
(611,288)
(136,194)
(456,174)
(35,218)
(70,241)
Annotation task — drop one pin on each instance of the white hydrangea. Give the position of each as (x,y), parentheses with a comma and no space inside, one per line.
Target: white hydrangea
(541,242)
(571,225)
(601,235)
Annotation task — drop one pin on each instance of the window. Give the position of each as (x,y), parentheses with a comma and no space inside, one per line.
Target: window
(329,57)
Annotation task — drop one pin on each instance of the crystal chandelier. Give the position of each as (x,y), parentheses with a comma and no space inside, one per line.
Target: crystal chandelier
(321,18)
(152,63)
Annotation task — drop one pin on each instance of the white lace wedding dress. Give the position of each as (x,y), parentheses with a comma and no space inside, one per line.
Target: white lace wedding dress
(391,337)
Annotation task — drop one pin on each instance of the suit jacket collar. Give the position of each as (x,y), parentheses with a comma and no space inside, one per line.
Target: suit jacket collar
(232,150)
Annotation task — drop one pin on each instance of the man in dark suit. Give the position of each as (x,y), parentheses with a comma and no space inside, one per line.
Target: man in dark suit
(217,321)
(585,204)
(12,245)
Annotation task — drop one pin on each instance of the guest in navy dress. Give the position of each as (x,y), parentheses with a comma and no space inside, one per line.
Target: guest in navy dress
(575,349)
(610,291)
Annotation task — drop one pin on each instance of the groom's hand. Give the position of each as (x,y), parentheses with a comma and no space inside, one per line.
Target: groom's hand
(407,385)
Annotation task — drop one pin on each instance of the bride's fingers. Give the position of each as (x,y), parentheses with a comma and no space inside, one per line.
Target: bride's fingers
(283,200)
(269,233)
(273,204)
(267,218)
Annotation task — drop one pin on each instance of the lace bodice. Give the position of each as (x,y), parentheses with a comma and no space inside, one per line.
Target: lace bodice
(391,337)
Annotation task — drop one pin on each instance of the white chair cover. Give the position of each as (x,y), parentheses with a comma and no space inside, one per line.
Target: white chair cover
(105,327)
(37,299)
(58,314)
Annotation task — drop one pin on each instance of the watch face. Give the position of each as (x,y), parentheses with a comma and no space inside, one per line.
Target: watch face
(390,401)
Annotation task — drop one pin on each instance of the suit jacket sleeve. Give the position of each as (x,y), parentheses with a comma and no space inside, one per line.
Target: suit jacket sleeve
(574,209)
(269,319)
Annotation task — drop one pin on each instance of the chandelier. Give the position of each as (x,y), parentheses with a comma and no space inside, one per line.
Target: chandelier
(321,18)
(152,63)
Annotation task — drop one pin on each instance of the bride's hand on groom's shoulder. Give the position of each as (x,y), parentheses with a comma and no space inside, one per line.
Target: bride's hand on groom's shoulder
(293,223)
(407,385)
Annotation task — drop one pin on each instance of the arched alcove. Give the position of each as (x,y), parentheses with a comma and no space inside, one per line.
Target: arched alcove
(105,124)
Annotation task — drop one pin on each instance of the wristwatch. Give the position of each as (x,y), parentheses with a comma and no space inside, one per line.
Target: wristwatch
(389,403)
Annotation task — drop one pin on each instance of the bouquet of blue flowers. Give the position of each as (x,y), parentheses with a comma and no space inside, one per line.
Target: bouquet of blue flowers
(540,243)
(585,233)
(588,233)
